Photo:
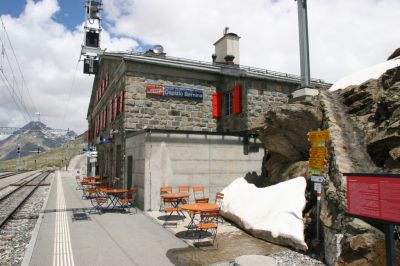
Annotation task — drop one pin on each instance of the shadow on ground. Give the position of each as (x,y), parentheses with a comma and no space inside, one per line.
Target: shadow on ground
(227,247)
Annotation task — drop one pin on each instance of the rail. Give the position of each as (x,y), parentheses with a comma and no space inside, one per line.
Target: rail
(6,201)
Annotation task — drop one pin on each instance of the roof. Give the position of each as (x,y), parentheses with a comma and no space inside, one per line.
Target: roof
(215,68)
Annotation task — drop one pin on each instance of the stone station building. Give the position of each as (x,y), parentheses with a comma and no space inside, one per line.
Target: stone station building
(158,120)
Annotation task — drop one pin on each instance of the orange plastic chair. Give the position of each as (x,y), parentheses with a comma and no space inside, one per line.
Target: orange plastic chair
(198,193)
(219,197)
(98,200)
(129,200)
(170,206)
(208,223)
(184,189)
(164,190)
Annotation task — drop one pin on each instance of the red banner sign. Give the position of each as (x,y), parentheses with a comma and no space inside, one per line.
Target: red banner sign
(374,196)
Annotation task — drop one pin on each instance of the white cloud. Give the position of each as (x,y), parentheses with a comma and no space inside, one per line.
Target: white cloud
(345,36)
(48,54)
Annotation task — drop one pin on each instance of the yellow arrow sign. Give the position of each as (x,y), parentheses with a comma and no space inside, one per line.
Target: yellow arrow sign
(317,136)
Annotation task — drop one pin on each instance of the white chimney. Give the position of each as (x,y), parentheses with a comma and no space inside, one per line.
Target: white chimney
(226,48)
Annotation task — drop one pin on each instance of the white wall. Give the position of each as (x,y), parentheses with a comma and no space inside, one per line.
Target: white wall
(191,159)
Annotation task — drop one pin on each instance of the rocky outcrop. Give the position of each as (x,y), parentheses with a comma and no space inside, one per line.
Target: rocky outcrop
(364,125)
(375,108)
(395,54)
(283,131)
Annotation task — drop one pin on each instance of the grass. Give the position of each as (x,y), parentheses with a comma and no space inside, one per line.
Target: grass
(51,159)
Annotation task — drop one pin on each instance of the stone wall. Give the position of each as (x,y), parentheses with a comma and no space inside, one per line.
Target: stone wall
(258,97)
(147,111)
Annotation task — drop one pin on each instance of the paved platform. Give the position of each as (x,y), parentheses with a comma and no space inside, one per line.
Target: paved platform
(107,239)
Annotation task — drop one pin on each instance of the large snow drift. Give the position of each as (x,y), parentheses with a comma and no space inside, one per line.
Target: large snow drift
(272,213)
(361,76)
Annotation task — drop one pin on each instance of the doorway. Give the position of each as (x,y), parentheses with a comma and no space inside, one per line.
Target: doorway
(129,172)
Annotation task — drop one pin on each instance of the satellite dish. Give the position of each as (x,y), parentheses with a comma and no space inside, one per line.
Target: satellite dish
(158,49)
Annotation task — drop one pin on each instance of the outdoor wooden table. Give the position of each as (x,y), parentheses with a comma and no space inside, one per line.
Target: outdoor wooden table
(195,208)
(114,196)
(178,197)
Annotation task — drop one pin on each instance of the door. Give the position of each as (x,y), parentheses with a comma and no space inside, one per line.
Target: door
(118,164)
(129,172)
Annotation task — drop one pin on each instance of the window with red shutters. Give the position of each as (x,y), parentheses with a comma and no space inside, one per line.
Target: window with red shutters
(96,123)
(110,110)
(115,107)
(216,105)
(121,101)
(237,99)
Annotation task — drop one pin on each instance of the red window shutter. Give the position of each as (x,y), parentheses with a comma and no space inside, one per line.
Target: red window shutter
(101,120)
(237,99)
(110,110)
(216,105)
(115,107)
(103,114)
(121,101)
(96,123)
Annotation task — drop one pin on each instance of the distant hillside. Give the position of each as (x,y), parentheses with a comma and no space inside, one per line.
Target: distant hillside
(32,136)
(53,158)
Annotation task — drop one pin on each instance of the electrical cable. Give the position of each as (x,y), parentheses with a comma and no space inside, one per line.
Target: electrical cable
(19,67)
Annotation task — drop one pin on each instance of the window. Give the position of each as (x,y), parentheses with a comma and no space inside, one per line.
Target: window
(227,103)
(232,101)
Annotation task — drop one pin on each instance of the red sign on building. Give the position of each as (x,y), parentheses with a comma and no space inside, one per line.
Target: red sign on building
(375,196)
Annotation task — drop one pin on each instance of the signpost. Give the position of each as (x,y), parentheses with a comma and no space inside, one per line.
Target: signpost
(376,197)
(317,163)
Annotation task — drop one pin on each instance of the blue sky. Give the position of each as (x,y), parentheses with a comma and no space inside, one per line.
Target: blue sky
(345,36)
(70,15)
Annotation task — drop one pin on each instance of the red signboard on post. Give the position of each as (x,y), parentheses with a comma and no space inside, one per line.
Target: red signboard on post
(375,196)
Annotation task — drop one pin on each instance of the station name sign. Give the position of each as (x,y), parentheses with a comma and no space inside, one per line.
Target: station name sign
(375,196)
(177,92)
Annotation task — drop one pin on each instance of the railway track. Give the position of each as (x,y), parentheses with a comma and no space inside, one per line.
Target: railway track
(9,174)
(12,201)
(17,183)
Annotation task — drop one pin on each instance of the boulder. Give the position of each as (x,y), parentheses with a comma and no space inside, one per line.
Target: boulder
(283,132)
(272,213)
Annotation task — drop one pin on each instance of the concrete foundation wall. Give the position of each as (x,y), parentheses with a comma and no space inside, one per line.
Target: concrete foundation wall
(174,159)
(136,147)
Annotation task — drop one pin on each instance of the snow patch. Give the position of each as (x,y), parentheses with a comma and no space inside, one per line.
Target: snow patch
(274,213)
(361,76)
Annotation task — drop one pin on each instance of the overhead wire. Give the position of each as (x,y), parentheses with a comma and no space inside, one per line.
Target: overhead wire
(13,89)
(19,67)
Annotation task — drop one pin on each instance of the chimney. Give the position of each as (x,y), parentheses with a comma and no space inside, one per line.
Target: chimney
(227,48)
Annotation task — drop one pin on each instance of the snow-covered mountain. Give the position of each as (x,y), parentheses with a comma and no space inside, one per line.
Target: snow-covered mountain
(32,136)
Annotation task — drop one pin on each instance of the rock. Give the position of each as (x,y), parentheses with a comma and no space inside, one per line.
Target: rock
(395,153)
(283,131)
(278,220)
(395,54)
(254,260)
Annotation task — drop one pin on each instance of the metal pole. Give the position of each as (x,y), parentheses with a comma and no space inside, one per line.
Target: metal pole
(318,207)
(303,40)
(389,245)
